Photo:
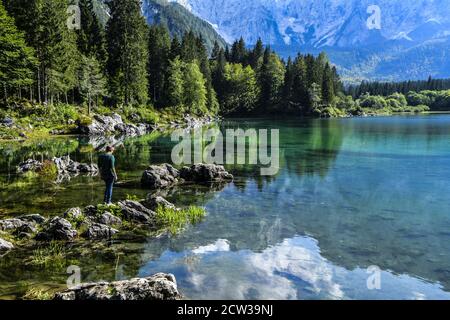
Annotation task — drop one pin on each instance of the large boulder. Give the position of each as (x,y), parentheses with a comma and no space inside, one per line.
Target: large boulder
(159,177)
(109,219)
(136,212)
(66,165)
(153,201)
(205,173)
(34,218)
(57,229)
(157,287)
(74,214)
(5,246)
(12,224)
(97,231)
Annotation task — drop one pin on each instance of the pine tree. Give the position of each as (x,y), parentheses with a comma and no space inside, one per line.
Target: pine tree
(159,54)
(91,80)
(256,54)
(271,79)
(328,86)
(195,93)
(91,37)
(127,34)
(58,51)
(16,58)
(175,84)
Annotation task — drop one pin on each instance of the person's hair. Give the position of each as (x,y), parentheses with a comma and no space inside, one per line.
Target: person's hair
(109,149)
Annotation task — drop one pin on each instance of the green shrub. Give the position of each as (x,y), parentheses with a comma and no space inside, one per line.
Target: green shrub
(49,169)
(84,120)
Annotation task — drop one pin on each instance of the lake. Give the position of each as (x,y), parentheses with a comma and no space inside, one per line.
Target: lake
(356,201)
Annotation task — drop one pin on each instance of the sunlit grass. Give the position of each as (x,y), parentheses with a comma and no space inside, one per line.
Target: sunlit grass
(37,293)
(174,220)
(51,256)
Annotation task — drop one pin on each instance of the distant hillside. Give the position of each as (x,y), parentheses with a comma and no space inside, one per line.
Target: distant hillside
(179,20)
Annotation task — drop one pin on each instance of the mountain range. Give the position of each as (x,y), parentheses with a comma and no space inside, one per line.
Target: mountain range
(411,40)
(366,39)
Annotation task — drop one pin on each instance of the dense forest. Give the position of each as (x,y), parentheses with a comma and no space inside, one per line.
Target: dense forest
(131,63)
(52,73)
(404,87)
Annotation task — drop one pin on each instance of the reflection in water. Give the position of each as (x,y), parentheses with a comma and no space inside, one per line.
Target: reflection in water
(292,269)
(351,193)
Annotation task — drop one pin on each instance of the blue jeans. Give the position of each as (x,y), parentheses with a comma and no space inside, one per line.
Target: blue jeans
(109,190)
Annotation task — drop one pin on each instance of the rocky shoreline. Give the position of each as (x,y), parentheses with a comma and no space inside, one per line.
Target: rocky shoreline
(105,223)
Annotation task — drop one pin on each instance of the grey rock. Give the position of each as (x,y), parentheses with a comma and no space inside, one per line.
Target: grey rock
(205,173)
(57,229)
(36,218)
(12,224)
(157,287)
(113,124)
(109,219)
(29,165)
(135,211)
(90,211)
(66,165)
(5,246)
(73,214)
(152,202)
(97,231)
(158,177)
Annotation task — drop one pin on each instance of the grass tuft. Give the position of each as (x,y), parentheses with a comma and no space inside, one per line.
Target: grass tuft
(174,220)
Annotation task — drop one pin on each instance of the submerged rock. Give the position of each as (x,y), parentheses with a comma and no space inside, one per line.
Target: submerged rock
(136,212)
(66,165)
(29,165)
(205,173)
(5,246)
(57,229)
(158,177)
(97,231)
(157,287)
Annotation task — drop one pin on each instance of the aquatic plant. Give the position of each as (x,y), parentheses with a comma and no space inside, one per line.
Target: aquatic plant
(48,170)
(174,219)
(37,293)
(51,256)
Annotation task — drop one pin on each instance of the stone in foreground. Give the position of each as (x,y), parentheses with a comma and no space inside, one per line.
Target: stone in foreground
(5,246)
(157,287)
(57,229)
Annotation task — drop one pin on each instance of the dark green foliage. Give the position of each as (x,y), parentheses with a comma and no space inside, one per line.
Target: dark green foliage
(127,37)
(16,58)
(159,48)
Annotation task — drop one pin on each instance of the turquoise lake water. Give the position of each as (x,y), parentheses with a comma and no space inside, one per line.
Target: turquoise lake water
(350,194)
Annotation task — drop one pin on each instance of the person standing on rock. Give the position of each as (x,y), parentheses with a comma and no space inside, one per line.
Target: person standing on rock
(106,165)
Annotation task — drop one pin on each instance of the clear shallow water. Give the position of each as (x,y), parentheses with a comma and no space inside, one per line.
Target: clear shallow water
(351,193)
